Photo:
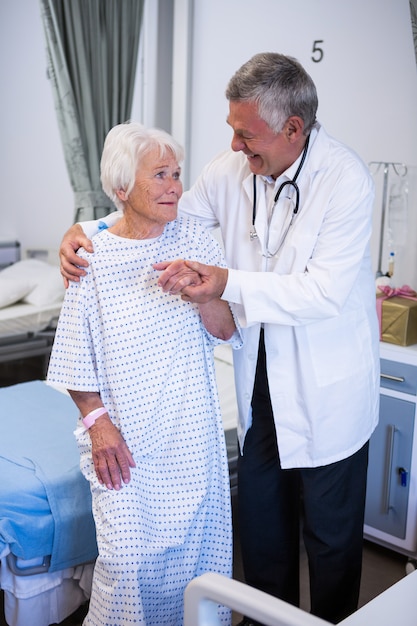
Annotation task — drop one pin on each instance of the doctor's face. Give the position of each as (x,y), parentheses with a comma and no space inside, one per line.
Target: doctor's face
(267,152)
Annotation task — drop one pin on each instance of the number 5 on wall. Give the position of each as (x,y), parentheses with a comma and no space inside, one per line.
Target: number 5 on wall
(318,51)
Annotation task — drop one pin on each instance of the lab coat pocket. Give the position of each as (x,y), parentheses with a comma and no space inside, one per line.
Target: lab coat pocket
(336,348)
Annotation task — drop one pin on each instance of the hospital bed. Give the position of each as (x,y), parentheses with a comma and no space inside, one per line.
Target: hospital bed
(47,533)
(31,294)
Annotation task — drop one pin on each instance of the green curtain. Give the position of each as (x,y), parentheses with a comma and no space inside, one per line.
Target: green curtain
(413,11)
(91,48)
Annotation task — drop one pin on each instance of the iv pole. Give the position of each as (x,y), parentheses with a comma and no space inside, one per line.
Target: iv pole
(400,169)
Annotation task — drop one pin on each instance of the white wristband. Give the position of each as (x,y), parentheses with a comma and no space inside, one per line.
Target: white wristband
(91,417)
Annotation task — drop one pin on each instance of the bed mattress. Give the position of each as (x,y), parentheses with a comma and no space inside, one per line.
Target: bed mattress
(223,361)
(23,318)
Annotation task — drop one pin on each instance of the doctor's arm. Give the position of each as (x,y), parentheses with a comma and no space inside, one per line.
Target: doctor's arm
(79,236)
(327,263)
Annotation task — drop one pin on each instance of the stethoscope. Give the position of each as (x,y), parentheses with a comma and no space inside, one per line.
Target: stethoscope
(253,234)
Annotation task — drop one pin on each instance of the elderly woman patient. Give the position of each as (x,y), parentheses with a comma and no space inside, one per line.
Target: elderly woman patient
(139,365)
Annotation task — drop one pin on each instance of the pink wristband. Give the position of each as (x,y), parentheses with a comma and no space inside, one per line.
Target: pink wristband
(91,417)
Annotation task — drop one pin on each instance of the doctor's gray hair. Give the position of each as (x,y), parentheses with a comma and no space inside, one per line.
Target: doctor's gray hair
(125,148)
(280,87)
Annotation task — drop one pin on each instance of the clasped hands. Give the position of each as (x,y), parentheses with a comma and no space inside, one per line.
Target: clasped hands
(194,281)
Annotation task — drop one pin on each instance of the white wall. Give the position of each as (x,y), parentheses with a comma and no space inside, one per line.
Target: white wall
(367,85)
(366,81)
(37,199)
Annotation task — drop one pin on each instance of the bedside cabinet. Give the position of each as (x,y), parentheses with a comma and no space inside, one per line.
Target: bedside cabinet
(391,501)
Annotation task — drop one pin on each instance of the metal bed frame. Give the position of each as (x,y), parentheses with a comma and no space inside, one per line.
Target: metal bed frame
(27,345)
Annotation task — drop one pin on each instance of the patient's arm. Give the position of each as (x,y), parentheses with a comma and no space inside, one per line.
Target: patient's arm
(111,456)
(179,276)
(217,318)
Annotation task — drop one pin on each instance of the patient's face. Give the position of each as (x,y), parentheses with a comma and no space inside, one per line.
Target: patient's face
(157,189)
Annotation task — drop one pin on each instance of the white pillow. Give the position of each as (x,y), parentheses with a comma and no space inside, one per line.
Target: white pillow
(46,282)
(12,291)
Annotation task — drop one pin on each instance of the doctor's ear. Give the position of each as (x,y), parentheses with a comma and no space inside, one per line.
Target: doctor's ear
(294,128)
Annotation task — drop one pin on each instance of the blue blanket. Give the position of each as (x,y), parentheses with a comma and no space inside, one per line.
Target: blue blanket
(45,502)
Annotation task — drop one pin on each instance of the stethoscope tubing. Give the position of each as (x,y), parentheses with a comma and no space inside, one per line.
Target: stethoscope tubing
(283,185)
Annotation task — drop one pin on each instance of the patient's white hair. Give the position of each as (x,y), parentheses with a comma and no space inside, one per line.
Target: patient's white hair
(124,149)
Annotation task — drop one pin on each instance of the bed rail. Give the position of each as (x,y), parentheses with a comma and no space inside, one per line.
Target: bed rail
(206,592)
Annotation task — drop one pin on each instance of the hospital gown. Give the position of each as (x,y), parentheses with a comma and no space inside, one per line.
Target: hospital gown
(149,356)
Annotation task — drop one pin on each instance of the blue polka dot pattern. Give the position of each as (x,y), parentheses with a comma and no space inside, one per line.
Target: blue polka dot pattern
(151,359)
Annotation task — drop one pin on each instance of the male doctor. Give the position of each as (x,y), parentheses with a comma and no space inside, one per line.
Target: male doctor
(294,207)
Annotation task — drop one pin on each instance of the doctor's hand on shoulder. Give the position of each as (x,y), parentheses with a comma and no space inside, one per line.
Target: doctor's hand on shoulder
(70,263)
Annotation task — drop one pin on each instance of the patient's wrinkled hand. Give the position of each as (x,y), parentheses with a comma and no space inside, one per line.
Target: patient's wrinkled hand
(111,456)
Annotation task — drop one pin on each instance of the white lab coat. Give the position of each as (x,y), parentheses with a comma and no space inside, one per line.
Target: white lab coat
(315,297)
